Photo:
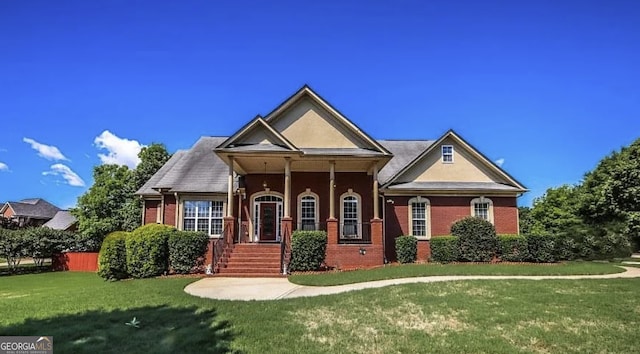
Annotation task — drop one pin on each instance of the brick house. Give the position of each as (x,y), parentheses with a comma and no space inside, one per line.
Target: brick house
(38,212)
(305,166)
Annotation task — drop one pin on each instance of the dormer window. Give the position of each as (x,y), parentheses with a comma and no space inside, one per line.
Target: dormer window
(447,153)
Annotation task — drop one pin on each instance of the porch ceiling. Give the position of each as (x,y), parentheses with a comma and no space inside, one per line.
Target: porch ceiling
(256,164)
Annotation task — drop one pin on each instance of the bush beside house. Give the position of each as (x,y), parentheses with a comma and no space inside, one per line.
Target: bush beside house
(444,249)
(308,250)
(407,249)
(477,239)
(112,261)
(147,250)
(186,250)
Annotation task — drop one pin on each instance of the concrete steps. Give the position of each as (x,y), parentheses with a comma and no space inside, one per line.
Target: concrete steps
(252,260)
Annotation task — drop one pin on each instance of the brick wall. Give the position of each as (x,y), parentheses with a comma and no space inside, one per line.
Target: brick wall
(343,256)
(151,211)
(169,210)
(444,212)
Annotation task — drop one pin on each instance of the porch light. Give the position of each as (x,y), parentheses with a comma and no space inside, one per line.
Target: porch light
(363,251)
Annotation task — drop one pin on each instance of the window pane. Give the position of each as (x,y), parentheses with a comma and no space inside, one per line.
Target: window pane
(481,210)
(189,225)
(419,219)
(419,228)
(203,225)
(216,227)
(203,209)
(189,209)
(216,209)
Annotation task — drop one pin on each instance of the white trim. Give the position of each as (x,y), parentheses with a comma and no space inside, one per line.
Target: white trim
(442,153)
(482,200)
(309,193)
(254,230)
(427,216)
(351,193)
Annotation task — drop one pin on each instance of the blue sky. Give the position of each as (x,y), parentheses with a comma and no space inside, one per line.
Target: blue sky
(547,87)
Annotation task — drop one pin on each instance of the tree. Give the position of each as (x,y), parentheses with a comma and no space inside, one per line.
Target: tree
(99,210)
(110,204)
(526,220)
(556,212)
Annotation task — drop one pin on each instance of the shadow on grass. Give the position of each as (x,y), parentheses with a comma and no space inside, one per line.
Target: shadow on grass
(161,329)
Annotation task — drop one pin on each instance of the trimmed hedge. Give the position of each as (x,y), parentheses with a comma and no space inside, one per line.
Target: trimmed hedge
(477,240)
(147,250)
(444,249)
(407,249)
(308,249)
(513,248)
(187,250)
(112,260)
(541,248)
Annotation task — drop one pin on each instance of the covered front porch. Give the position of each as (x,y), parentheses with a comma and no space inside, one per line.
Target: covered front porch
(270,197)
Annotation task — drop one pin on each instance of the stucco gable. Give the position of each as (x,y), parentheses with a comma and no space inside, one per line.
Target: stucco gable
(309,122)
(259,134)
(468,166)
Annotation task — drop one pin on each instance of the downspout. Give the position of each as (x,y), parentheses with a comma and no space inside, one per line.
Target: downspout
(179,227)
(162,210)
(384,228)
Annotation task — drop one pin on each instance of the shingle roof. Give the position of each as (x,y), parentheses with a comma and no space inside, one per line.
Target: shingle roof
(197,170)
(404,151)
(61,221)
(34,208)
(455,186)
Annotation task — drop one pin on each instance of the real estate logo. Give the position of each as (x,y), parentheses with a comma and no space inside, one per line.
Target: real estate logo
(26,345)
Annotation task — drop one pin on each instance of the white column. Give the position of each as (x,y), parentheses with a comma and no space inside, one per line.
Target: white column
(287,187)
(332,190)
(230,188)
(376,200)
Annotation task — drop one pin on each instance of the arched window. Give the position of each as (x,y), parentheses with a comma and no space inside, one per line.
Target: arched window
(482,208)
(351,215)
(308,210)
(420,217)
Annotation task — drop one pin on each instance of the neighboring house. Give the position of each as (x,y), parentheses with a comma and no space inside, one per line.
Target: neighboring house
(305,166)
(63,220)
(38,212)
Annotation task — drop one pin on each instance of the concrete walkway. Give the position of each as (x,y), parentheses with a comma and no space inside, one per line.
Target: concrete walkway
(280,288)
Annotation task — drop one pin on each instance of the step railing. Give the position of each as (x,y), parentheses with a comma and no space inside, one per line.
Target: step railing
(220,247)
(285,250)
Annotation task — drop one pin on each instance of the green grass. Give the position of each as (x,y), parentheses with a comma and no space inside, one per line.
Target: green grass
(87,315)
(430,269)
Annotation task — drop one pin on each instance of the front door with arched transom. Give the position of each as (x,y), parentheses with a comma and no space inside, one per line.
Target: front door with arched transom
(267,217)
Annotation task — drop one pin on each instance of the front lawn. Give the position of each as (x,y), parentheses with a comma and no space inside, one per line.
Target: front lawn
(88,315)
(430,269)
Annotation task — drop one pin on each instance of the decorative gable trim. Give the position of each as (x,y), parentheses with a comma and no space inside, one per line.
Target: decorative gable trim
(434,148)
(307,91)
(257,123)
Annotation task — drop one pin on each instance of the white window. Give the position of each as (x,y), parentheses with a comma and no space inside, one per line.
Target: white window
(447,153)
(482,208)
(350,210)
(203,215)
(308,211)
(419,217)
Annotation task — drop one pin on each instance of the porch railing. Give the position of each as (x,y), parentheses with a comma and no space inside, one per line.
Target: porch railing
(356,233)
(220,247)
(311,226)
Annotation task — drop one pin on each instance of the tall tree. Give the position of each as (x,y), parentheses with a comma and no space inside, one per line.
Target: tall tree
(525,220)
(110,204)
(556,212)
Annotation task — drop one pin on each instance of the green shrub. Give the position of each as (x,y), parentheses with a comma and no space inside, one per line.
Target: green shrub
(565,248)
(613,245)
(13,246)
(308,250)
(477,240)
(407,249)
(444,249)
(147,250)
(187,250)
(112,260)
(513,248)
(541,248)
(43,242)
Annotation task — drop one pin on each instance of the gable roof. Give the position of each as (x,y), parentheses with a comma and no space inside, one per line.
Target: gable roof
(404,151)
(257,124)
(196,170)
(306,91)
(480,157)
(63,220)
(36,208)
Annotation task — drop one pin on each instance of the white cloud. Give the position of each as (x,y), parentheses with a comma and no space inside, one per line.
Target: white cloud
(4,167)
(49,152)
(500,161)
(121,151)
(65,172)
